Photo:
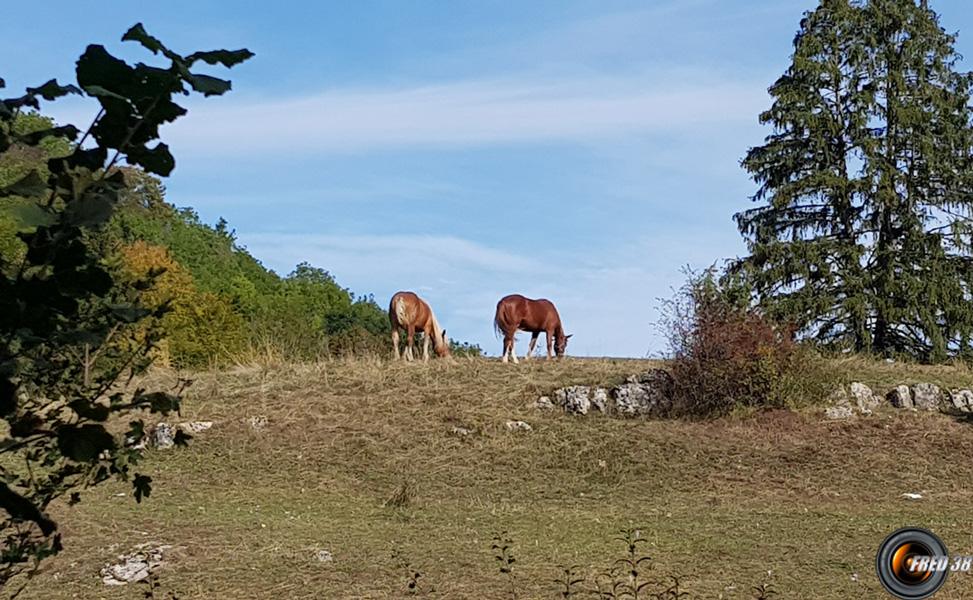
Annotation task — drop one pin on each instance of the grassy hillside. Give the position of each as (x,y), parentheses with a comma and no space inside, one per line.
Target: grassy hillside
(786,498)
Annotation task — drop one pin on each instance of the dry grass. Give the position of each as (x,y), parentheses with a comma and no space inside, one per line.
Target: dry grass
(358,457)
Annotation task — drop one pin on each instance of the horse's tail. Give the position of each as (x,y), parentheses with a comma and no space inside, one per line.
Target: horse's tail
(397,311)
(497,329)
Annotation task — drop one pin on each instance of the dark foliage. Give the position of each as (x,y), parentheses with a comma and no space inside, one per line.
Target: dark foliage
(862,236)
(59,307)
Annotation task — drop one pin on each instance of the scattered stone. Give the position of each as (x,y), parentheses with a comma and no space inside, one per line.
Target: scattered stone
(258,422)
(574,399)
(518,426)
(323,556)
(841,411)
(962,400)
(544,403)
(196,426)
(865,400)
(134,566)
(911,496)
(927,396)
(461,431)
(900,397)
(162,436)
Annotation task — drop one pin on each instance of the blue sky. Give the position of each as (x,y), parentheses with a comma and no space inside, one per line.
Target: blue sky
(579,151)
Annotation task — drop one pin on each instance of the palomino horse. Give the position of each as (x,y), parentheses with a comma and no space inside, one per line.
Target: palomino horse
(516,312)
(410,312)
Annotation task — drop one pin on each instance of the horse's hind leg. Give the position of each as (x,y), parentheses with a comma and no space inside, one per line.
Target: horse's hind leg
(533,342)
(410,341)
(513,352)
(395,343)
(508,347)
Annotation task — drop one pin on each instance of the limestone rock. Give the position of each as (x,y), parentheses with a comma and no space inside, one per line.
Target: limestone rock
(258,422)
(196,426)
(323,556)
(840,411)
(962,400)
(927,396)
(649,393)
(900,397)
(134,566)
(865,400)
(599,399)
(162,436)
(518,426)
(575,399)
(544,403)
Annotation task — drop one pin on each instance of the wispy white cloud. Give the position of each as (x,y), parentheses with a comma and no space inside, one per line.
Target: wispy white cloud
(463,113)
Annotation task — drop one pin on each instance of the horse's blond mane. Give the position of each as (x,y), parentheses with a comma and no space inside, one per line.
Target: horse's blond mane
(437,330)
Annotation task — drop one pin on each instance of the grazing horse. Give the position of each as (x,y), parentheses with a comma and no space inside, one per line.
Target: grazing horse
(410,312)
(516,312)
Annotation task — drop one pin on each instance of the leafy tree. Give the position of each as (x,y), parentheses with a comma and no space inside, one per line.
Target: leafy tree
(862,236)
(59,306)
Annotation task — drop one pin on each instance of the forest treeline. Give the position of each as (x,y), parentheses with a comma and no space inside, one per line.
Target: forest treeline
(221,304)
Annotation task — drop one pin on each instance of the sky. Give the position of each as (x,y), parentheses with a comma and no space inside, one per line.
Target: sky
(582,151)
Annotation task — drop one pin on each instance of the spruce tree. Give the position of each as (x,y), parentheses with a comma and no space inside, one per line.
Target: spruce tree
(862,237)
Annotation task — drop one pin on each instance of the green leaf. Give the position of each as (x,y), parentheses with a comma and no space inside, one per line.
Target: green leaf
(138,34)
(128,313)
(89,210)
(29,215)
(208,86)
(52,90)
(142,484)
(97,69)
(30,185)
(227,58)
(69,132)
(156,160)
(84,443)
(97,90)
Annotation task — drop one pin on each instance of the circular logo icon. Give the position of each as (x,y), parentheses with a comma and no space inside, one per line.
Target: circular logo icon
(912,563)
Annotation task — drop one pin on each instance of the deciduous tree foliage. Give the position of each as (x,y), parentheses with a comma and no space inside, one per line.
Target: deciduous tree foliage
(862,237)
(59,307)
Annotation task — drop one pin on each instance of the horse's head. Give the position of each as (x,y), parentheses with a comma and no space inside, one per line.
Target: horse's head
(561,343)
(442,346)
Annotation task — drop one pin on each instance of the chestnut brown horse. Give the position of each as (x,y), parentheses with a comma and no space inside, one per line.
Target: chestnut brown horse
(517,312)
(410,312)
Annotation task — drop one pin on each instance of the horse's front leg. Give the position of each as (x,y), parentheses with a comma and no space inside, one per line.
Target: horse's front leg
(425,347)
(395,343)
(550,343)
(533,342)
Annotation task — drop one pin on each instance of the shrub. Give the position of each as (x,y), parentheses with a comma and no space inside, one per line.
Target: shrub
(200,328)
(727,355)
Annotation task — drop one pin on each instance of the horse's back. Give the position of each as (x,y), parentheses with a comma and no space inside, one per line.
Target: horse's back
(525,313)
(405,307)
